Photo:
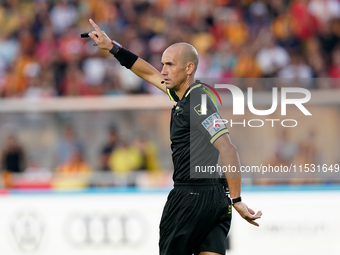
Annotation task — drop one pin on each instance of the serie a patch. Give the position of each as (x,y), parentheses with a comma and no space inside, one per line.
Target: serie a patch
(213,126)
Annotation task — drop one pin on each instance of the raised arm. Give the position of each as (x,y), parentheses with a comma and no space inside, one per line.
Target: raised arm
(229,156)
(140,67)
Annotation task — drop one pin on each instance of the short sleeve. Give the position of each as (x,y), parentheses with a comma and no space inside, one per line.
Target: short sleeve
(211,125)
(172,95)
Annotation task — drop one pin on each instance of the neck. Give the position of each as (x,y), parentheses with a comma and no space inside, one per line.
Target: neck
(185,85)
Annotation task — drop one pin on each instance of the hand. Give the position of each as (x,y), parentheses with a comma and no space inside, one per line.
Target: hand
(247,213)
(100,37)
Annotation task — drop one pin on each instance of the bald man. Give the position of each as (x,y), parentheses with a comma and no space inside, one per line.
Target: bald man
(197,215)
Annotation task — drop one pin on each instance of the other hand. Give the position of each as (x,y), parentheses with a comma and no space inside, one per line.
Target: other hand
(247,213)
(100,37)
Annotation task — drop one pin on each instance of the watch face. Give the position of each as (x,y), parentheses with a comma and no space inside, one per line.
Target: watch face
(236,200)
(114,49)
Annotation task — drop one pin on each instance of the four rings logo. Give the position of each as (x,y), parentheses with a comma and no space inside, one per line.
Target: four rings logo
(106,229)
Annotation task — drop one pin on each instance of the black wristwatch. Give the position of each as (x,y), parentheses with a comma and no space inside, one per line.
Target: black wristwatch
(116,47)
(236,200)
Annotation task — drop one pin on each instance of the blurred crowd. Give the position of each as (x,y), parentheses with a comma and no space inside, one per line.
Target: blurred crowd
(42,54)
(138,163)
(117,159)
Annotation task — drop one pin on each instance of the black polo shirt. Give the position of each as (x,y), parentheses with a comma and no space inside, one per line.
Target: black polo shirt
(193,135)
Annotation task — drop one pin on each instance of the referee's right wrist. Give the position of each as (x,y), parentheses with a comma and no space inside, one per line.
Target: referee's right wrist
(115,47)
(125,57)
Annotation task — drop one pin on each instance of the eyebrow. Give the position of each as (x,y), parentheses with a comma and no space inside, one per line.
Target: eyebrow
(167,63)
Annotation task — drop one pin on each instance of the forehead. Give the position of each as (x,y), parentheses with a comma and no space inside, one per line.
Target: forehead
(170,55)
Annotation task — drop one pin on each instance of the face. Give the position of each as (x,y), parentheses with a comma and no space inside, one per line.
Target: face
(174,71)
(11,142)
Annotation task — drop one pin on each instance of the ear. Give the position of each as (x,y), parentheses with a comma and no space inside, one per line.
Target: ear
(190,68)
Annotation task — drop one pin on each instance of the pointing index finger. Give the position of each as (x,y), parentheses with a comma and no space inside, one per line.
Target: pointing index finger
(95,26)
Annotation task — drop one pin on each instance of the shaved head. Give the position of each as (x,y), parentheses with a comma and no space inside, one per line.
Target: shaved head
(186,53)
(179,62)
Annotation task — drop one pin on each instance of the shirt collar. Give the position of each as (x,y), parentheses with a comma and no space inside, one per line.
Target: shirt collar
(196,84)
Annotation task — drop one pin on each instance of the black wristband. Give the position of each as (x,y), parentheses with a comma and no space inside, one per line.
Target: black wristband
(236,200)
(126,58)
(116,47)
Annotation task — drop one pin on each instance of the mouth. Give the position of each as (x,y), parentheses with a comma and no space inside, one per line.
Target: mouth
(166,80)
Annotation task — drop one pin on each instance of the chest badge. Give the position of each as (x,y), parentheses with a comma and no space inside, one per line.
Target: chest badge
(198,109)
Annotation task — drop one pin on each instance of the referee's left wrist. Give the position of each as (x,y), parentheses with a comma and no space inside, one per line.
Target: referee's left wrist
(236,200)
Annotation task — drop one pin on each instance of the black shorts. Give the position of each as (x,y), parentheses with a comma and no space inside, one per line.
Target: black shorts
(195,218)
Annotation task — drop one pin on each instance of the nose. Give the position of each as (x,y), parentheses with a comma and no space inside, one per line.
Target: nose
(164,71)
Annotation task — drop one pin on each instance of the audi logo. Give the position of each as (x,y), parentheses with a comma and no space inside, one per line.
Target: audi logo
(106,229)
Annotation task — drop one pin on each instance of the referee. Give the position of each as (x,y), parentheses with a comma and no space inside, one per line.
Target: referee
(197,215)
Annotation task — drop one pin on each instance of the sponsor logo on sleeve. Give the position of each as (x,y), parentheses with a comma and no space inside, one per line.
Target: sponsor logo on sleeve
(208,124)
